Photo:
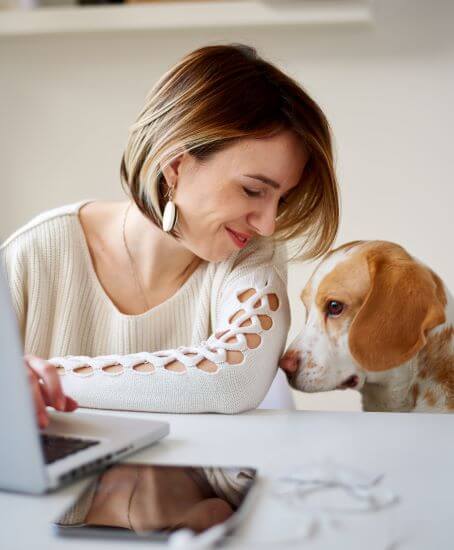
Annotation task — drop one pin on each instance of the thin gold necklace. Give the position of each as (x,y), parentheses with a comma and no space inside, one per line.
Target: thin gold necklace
(133,265)
(131,260)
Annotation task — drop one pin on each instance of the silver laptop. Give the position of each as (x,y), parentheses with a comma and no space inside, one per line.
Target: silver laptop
(73,444)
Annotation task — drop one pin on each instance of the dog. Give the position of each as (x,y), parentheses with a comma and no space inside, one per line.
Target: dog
(380,321)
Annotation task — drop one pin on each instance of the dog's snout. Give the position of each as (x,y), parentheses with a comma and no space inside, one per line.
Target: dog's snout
(290,361)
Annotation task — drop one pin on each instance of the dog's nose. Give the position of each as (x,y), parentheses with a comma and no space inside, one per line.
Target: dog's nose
(290,361)
(351,382)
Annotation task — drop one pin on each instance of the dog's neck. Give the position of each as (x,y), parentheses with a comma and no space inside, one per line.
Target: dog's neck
(390,390)
(423,384)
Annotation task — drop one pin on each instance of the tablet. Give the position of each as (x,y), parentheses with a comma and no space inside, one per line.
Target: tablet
(154,502)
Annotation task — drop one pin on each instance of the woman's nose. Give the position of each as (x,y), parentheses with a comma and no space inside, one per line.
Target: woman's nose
(264,221)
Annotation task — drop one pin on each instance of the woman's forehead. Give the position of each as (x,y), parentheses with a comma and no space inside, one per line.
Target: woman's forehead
(281,162)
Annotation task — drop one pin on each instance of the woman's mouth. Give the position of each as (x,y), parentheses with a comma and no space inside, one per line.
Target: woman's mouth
(239,241)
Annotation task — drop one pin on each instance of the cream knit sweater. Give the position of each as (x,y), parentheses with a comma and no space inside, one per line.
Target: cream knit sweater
(65,315)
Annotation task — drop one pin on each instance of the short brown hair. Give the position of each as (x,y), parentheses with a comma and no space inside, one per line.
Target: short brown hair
(219,94)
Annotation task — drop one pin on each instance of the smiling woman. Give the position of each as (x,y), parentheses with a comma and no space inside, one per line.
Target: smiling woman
(175,300)
(226,99)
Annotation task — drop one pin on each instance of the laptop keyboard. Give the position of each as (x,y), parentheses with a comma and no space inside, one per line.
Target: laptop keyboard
(56,447)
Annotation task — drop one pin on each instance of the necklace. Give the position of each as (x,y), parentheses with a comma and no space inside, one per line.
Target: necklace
(133,265)
(131,260)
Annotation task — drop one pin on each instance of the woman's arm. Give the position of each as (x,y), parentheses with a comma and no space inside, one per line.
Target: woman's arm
(228,373)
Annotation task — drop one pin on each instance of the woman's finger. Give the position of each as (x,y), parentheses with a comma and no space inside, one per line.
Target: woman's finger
(48,373)
(40,406)
(43,390)
(71,404)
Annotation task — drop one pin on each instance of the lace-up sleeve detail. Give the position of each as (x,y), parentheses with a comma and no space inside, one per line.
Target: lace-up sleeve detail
(230,372)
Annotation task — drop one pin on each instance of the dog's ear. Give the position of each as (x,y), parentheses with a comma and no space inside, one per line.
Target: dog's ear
(404,301)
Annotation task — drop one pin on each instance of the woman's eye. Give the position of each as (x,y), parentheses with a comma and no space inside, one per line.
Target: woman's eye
(251,193)
(334,308)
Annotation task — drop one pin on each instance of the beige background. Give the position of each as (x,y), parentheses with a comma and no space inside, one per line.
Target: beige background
(387,89)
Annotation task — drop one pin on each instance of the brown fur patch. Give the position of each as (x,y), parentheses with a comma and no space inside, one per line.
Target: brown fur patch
(441,294)
(348,283)
(347,246)
(307,290)
(430,398)
(402,305)
(436,362)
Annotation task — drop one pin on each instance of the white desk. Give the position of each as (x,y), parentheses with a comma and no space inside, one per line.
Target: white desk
(415,451)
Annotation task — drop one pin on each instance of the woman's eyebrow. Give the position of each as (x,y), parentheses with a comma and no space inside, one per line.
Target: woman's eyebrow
(264,179)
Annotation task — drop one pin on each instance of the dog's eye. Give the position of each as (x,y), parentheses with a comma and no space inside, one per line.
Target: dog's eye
(334,308)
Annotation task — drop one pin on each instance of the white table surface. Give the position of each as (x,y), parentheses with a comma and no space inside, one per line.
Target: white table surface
(414,451)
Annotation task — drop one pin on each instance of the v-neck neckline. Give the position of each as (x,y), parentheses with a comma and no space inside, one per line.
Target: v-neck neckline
(100,289)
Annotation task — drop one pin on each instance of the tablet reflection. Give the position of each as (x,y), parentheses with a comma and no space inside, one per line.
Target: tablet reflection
(144,498)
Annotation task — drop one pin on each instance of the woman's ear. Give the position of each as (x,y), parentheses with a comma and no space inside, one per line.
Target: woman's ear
(404,301)
(171,170)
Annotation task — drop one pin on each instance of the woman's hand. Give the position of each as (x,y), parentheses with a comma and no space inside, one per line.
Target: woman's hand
(46,388)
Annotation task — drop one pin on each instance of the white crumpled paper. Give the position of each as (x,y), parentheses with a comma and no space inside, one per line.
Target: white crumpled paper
(362,486)
(308,492)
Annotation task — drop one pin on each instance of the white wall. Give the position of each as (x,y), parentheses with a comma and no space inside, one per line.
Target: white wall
(67,102)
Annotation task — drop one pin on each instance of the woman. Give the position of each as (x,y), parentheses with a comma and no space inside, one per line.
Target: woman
(228,160)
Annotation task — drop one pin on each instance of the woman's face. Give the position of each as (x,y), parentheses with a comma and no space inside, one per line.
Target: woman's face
(220,194)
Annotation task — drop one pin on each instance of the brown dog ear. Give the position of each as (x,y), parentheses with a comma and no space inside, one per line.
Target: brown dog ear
(404,301)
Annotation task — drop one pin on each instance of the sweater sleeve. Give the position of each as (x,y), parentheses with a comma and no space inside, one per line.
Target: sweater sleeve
(14,267)
(228,373)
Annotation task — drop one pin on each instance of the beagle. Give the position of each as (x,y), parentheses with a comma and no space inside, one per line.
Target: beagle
(380,321)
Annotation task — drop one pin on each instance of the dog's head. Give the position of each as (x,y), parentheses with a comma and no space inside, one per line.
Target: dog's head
(369,305)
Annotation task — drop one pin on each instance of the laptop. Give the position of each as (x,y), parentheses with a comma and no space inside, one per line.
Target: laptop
(73,444)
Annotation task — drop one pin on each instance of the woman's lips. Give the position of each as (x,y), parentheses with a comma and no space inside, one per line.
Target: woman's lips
(240,243)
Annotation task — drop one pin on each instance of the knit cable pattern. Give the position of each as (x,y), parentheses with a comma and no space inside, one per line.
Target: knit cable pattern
(232,387)
(213,349)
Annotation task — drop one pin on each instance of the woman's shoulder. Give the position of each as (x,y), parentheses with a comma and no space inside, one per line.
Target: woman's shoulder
(261,254)
(261,261)
(37,227)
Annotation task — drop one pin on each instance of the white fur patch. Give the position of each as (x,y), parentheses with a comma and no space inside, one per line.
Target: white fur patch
(323,366)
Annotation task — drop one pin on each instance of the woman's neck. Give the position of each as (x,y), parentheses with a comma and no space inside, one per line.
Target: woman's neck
(157,256)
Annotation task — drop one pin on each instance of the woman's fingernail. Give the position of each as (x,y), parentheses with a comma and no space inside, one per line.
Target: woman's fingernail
(43,419)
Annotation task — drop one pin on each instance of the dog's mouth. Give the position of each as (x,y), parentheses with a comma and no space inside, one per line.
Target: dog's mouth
(351,382)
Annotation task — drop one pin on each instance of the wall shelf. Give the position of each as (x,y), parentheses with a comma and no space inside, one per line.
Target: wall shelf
(182,15)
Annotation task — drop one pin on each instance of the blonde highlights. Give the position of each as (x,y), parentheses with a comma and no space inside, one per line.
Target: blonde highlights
(213,97)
